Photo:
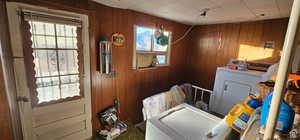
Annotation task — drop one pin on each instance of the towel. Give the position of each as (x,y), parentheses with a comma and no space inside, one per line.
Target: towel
(159,103)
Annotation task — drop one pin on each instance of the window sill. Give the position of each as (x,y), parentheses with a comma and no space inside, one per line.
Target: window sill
(151,68)
(151,52)
(162,65)
(142,69)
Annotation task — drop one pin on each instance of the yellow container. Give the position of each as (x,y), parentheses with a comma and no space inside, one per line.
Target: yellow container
(238,117)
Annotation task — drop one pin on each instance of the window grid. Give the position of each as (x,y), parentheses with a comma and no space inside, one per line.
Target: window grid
(57,58)
(57,50)
(152,51)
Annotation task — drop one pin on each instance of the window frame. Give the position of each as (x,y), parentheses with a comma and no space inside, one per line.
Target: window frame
(30,68)
(167,53)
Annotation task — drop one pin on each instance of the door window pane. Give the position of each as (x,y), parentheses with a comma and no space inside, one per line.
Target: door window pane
(67,42)
(69,79)
(38,41)
(70,43)
(47,94)
(49,29)
(41,28)
(68,63)
(70,90)
(70,86)
(45,62)
(56,61)
(60,30)
(48,89)
(49,42)
(70,31)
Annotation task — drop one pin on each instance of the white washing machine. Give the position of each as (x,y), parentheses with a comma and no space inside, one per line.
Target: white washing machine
(182,122)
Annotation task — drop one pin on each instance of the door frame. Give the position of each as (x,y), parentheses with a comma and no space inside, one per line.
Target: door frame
(14,20)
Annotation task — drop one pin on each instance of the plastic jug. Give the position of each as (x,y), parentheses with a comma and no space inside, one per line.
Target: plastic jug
(285,118)
(239,115)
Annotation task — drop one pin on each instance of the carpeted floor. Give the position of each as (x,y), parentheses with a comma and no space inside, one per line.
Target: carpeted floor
(132,133)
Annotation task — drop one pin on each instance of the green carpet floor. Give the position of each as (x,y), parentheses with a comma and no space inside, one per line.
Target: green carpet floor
(131,134)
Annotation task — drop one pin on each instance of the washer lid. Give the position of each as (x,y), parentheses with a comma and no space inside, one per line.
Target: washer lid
(186,122)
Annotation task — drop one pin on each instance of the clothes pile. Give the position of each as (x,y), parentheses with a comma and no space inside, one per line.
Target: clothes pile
(112,126)
(159,103)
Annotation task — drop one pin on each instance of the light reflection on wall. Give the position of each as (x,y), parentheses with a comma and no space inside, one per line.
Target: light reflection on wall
(253,53)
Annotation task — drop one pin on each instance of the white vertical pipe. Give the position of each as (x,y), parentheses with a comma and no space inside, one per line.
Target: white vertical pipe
(282,71)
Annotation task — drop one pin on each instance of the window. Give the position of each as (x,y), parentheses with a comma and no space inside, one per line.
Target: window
(148,52)
(54,61)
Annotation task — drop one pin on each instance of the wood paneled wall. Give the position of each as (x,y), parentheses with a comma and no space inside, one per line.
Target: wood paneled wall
(5,121)
(6,132)
(130,86)
(205,48)
(212,46)
(5,125)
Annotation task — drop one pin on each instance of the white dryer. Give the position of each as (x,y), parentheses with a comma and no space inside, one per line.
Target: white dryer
(233,87)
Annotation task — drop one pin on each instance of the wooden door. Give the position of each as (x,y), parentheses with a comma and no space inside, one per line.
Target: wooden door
(52,70)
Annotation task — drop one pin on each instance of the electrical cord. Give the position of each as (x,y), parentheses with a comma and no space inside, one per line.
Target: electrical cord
(203,13)
(184,35)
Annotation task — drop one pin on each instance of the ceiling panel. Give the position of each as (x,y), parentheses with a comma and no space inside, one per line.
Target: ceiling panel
(196,4)
(224,2)
(285,7)
(220,11)
(263,7)
(237,10)
(124,4)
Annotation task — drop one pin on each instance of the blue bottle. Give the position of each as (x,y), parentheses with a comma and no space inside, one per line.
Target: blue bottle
(285,118)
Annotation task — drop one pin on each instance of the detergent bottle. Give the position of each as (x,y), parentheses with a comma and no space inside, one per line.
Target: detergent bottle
(239,115)
(285,117)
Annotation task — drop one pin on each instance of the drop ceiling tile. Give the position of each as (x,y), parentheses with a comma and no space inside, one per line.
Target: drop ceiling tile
(123,4)
(237,10)
(214,16)
(260,3)
(132,3)
(285,7)
(154,5)
(221,11)
(112,3)
(224,2)
(234,12)
(159,3)
(267,12)
(197,4)
(267,7)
